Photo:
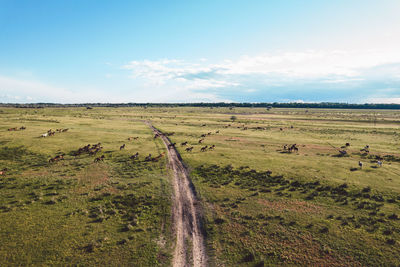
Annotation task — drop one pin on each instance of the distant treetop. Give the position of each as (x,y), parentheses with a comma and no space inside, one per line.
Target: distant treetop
(221,104)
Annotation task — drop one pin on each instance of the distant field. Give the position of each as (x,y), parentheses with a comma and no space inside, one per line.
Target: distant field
(263,205)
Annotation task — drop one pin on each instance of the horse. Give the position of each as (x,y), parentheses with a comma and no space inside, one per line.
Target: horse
(148,158)
(136,156)
(99,158)
(360,164)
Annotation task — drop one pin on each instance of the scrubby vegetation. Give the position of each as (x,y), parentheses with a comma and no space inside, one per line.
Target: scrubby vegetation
(263,203)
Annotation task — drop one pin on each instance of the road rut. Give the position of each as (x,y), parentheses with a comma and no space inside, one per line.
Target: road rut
(186,215)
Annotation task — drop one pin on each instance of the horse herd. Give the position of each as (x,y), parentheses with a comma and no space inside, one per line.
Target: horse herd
(17,129)
(93,149)
(365,150)
(50,132)
(190,149)
(96,148)
(290,148)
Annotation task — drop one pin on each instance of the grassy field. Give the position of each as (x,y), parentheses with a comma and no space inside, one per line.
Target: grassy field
(75,211)
(262,204)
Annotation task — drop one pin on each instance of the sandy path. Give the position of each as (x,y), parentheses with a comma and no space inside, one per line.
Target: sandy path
(186,216)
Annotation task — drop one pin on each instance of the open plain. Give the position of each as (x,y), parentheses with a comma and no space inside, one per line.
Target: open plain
(280,186)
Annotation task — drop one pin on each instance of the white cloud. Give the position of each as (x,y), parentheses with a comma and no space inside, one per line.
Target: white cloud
(331,66)
(279,76)
(286,73)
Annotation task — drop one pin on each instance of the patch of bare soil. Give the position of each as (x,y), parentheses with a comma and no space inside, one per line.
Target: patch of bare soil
(186,214)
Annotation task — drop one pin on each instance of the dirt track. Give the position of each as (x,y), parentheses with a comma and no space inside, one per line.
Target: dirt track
(186,216)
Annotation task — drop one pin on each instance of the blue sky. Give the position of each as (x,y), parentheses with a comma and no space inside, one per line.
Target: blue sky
(192,51)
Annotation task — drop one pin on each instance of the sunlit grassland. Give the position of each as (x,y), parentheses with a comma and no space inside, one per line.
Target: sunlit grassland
(75,211)
(314,208)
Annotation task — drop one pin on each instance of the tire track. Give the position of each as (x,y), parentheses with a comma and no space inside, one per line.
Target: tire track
(186,216)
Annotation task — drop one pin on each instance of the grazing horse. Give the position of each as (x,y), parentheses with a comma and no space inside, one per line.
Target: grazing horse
(203,148)
(203,135)
(360,164)
(172,145)
(50,132)
(158,157)
(3,171)
(122,147)
(148,158)
(201,141)
(99,158)
(189,149)
(56,158)
(136,156)
(293,148)
(211,147)
(184,143)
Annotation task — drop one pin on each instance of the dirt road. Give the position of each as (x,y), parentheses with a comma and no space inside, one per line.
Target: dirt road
(186,216)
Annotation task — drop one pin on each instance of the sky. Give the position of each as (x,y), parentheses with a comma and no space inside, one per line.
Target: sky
(91,51)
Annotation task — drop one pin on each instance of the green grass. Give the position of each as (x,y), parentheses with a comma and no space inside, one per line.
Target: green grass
(262,206)
(312,210)
(75,211)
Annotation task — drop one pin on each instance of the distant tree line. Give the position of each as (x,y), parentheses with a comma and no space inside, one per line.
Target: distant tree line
(211,105)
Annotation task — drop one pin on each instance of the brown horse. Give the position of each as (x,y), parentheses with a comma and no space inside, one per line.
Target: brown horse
(148,158)
(56,158)
(99,158)
(136,156)
(158,157)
